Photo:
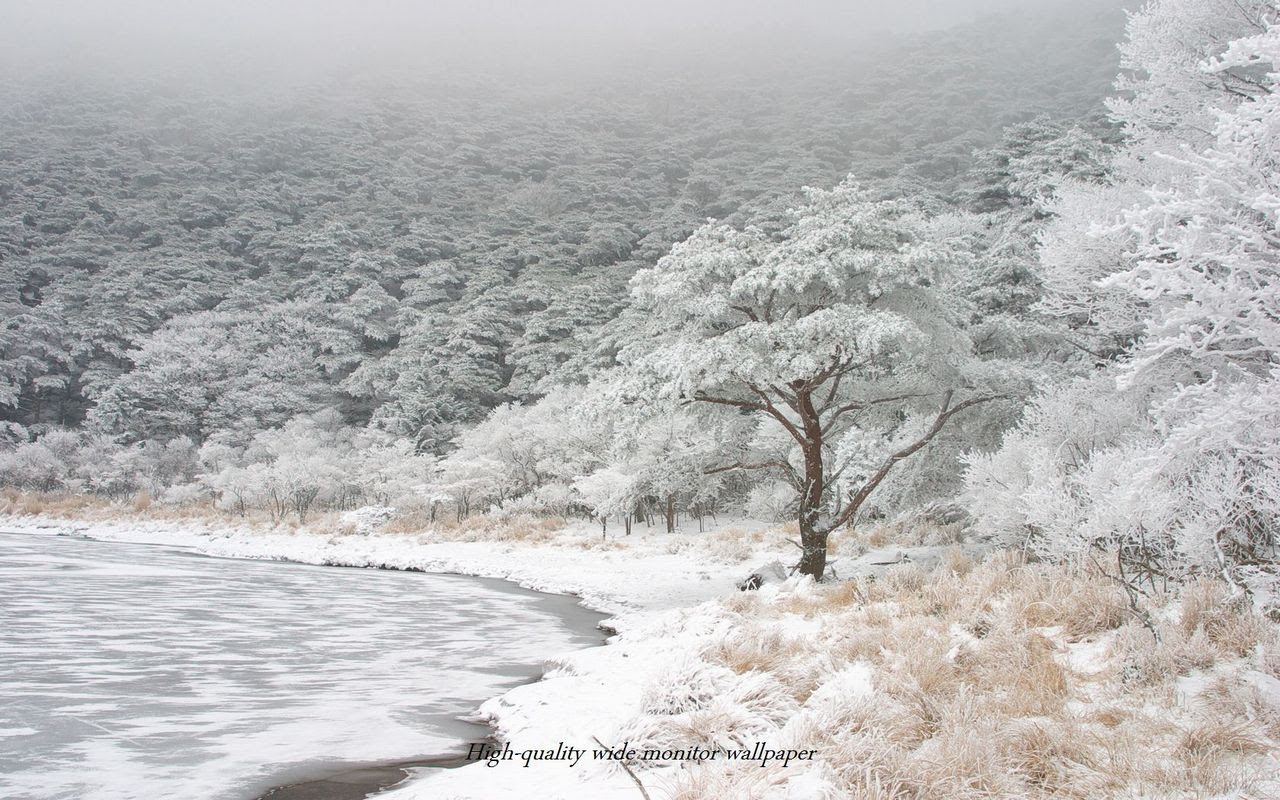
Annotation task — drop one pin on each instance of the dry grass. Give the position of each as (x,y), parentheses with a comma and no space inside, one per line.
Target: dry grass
(913,531)
(1219,736)
(142,506)
(141,502)
(957,561)
(30,504)
(484,528)
(93,508)
(734,545)
(415,521)
(1206,606)
(976,696)
(1081,605)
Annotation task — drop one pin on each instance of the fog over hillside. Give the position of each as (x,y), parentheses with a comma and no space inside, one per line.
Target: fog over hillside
(300,38)
(526,198)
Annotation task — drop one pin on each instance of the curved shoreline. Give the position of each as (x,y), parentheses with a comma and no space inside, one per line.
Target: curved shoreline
(359,782)
(367,779)
(354,780)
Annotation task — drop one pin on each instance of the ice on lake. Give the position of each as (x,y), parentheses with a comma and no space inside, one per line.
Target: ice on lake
(149,672)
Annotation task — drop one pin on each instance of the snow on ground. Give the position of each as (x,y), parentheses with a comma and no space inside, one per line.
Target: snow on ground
(646,574)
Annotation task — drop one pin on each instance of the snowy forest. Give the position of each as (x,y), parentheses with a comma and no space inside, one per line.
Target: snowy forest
(1020,271)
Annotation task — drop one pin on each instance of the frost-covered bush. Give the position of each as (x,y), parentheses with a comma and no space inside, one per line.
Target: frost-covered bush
(555,498)
(608,491)
(33,465)
(526,455)
(1171,451)
(160,465)
(587,452)
(315,462)
(1043,487)
(772,501)
(61,460)
(184,494)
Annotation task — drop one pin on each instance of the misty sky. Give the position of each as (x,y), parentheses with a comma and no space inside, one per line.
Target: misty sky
(301,35)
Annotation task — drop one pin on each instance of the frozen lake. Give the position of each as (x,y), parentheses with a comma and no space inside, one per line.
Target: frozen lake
(150,672)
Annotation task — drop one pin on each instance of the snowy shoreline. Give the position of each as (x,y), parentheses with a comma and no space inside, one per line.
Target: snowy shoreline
(487,559)
(632,596)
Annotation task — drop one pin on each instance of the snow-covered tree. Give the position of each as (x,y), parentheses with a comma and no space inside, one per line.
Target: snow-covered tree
(519,450)
(221,370)
(1022,173)
(316,462)
(608,492)
(845,316)
(1208,260)
(1166,105)
(33,465)
(675,455)
(1165,97)
(1208,272)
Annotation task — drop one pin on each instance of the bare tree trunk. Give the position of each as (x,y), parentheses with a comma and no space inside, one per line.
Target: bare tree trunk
(671,513)
(813,536)
(856,499)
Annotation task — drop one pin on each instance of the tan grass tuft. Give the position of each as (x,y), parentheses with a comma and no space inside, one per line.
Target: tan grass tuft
(956,561)
(1053,757)
(413,522)
(1218,736)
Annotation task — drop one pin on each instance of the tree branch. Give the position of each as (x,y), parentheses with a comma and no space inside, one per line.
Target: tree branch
(725,401)
(774,412)
(945,413)
(863,404)
(788,471)
(741,466)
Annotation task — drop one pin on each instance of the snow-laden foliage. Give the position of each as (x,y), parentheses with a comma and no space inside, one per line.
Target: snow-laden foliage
(852,277)
(1208,259)
(316,463)
(232,373)
(310,463)
(1166,104)
(1164,97)
(1170,451)
(523,450)
(846,331)
(63,460)
(575,451)
(416,255)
